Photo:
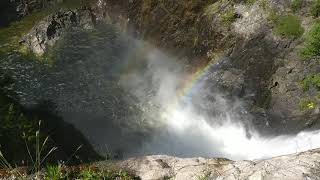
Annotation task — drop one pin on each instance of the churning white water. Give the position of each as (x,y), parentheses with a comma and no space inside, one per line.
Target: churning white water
(187,132)
(232,141)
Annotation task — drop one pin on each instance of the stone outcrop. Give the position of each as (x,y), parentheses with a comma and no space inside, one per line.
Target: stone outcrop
(48,31)
(299,166)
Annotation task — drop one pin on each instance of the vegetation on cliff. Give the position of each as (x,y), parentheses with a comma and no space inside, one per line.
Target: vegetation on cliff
(312,42)
(315,8)
(288,26)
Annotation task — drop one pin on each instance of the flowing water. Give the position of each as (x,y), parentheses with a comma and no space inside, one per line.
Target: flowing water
(127,97)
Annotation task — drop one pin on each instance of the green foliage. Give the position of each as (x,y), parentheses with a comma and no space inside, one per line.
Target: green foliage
(54,172)
(315,8)
(288,26)
(250,2)
(307,104)
(311,81)
(40,146)
(312,42)
(229,17)
(23,134)
(89,174)
(273,16)
(296,5)
(16,129)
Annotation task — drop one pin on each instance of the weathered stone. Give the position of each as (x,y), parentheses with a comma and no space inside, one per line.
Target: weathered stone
(299,166)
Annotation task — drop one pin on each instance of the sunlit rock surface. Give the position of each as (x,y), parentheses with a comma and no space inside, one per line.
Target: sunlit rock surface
(301,166)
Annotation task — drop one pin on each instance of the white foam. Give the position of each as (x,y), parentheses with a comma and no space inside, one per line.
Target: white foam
(231,140)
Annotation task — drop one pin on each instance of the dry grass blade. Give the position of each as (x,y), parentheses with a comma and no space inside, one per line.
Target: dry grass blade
(74,153)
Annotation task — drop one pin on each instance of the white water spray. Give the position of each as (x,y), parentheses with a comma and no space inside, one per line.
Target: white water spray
(188,133)
(231,140)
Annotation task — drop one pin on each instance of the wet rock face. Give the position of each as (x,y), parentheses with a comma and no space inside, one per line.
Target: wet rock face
(254,61)
(82,84)
(290,167)
(262,69)
(287,92)
(48,31)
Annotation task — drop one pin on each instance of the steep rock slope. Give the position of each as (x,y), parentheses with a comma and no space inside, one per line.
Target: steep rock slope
(262,63)
(259,65)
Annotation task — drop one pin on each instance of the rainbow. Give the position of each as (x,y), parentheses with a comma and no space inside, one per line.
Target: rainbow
(190,84)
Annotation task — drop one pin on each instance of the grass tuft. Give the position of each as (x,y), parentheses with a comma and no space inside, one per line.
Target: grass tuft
(54,172)
(311,81)
(288,26)
(229,17)
(312,43)
(307,105)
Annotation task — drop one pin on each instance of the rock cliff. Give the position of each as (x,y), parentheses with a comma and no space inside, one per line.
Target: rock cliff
(259,66)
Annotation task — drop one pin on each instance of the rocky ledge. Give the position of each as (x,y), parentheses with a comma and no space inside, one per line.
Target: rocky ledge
(298,166)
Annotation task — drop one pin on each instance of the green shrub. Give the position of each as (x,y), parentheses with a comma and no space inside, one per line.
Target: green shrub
(311,81)
(312,43)
(315,8)
(307,104)
(296,5)
(229,17)
(89,174)
(54,172)
(288,26)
